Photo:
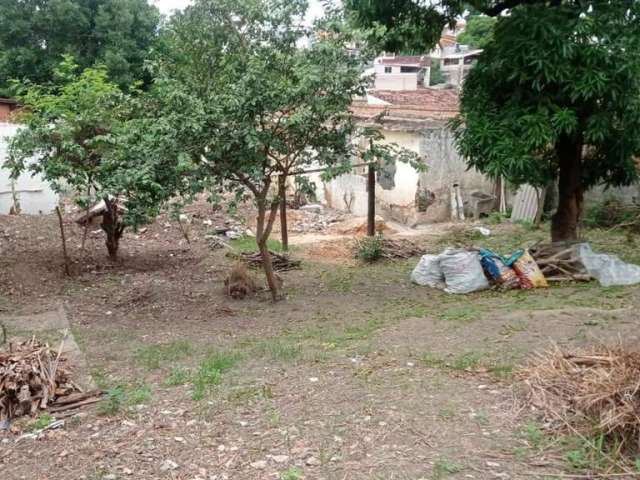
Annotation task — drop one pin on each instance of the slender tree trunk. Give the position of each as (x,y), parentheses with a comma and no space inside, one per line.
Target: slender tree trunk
(112,227)
(565,222)
(282,193)
(262,235)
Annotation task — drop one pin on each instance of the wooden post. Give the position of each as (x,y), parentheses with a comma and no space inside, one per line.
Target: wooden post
(371,208)
(282,193)
(64,243)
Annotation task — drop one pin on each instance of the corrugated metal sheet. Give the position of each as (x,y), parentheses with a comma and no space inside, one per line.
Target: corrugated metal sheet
(525,205)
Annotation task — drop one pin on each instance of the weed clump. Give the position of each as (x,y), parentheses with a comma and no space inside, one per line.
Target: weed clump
(370,249)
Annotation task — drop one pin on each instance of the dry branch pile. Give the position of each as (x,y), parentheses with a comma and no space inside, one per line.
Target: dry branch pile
(281,262)
(33,378)
(592,392)
(559,262)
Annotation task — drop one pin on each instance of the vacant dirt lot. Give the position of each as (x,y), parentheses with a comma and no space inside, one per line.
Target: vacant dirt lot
(357,375)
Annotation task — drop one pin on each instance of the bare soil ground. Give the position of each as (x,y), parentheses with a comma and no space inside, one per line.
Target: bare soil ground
(357,375)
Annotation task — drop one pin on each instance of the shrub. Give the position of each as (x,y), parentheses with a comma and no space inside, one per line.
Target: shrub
(370,249)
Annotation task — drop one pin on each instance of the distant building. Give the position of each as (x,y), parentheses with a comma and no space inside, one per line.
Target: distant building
(416,120)
(26,194)
(455,59)
(456,62)
(396,72)
(7,107)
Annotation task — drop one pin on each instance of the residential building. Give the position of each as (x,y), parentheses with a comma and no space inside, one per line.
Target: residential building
(396,72)
(416,120)
(456,61)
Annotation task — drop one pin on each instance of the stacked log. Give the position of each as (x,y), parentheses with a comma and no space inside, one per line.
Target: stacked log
(559,262)
(281,262)
(34,378)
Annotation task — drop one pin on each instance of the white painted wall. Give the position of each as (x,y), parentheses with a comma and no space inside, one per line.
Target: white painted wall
(34,194)
(445,167)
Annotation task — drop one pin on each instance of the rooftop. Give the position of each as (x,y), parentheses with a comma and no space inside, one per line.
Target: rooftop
(410,108)
(430,98)
(405,60)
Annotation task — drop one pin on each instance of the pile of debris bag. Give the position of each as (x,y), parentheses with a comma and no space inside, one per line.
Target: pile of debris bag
(470,270)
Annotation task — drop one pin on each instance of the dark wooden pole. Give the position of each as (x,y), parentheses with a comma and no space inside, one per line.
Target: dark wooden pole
(282,192)
(64,244)
(371,209)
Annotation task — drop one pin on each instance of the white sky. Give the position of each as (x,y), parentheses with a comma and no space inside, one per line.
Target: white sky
(167,6)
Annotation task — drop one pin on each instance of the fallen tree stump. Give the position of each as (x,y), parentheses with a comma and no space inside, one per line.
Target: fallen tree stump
(34,378)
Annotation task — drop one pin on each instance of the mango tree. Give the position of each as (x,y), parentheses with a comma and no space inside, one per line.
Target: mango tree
(555,96)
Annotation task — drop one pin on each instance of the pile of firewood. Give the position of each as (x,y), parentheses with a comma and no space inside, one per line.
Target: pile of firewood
(34,378)
(281,262)
(401,248)
(559,262)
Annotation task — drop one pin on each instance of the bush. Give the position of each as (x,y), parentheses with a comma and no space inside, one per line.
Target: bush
(612,212)
(370,249)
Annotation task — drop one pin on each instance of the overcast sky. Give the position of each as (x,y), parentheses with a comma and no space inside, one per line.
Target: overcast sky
(167,6)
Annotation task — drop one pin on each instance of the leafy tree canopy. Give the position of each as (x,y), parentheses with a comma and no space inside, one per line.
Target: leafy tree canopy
(85,135)
(478,31)
(256,106)
(556,94)
(35,34)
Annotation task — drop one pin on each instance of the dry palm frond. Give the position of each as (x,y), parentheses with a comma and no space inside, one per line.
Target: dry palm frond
(594,391)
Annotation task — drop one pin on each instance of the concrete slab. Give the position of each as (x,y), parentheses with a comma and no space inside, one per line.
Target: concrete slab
(54,320)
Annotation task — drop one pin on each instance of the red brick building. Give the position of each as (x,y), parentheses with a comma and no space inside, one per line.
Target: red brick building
(7,106)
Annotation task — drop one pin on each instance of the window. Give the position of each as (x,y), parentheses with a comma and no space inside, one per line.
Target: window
(387,69)
(451,61)
(409,69)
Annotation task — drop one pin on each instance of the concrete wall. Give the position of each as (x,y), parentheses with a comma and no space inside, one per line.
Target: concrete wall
(445,168)
(34,194)
(629,195)
(396,81)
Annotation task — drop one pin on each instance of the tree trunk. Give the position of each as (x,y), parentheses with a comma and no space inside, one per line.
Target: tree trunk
(262,235)
(112,227)
(282,193)
(565,222)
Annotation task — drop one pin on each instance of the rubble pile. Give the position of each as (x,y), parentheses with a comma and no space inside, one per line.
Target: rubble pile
(314,218)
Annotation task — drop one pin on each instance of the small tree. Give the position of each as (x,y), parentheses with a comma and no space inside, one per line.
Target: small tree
(436,77)
(83,135)
(263,107)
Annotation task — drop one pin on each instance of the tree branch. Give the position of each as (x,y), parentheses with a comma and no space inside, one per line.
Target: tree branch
(500,7)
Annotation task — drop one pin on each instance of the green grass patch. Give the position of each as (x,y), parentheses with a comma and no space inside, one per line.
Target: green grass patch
(291,473)
(460,313)
(42,421)
(178,376)
(153,357)
(283,349)
(123,397)
(443,468)
(210,372)
(247,244)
